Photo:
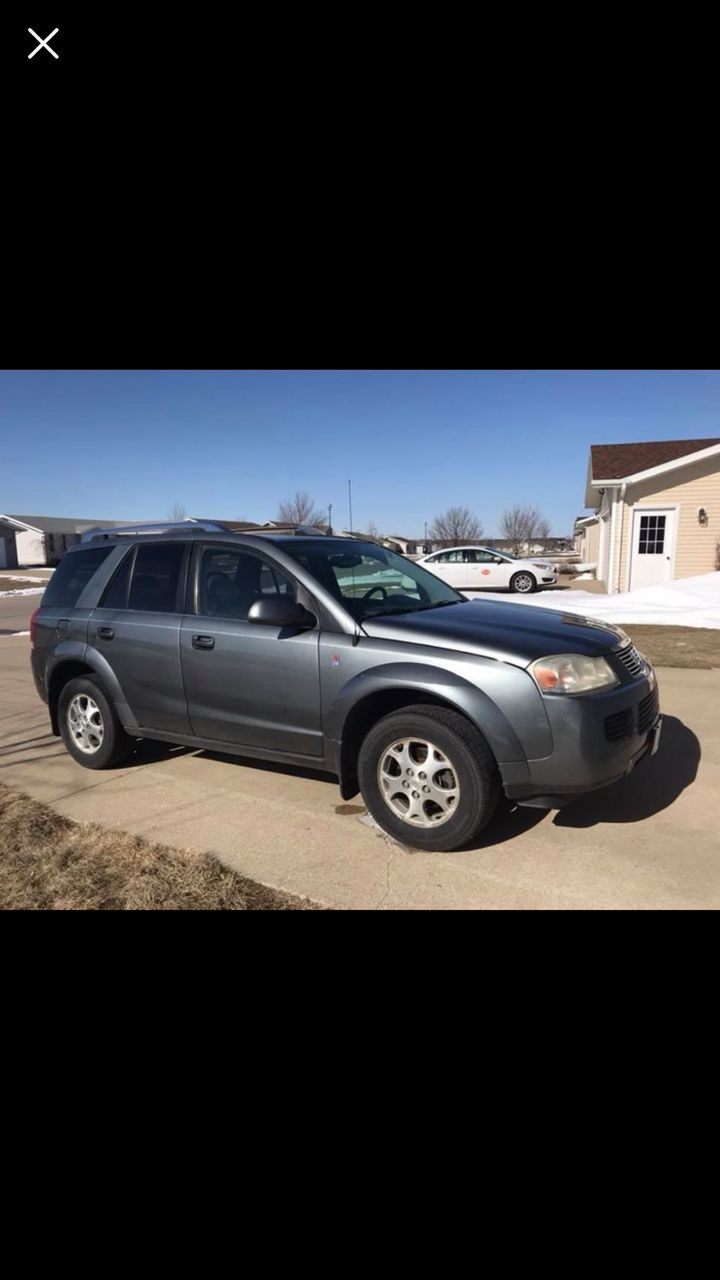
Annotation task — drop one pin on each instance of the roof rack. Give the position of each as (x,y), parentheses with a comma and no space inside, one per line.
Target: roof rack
(161,526)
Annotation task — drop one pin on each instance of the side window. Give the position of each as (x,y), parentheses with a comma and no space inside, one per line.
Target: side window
(231,580)
(470,557)
(116,592)
(155,577)
(72,576)
(483,557)
(274,583)
(455,557)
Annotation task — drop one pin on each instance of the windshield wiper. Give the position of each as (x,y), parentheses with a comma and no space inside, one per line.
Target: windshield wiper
(441,604)
(412,608)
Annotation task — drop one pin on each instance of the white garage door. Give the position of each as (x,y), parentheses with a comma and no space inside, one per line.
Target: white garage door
(652,547)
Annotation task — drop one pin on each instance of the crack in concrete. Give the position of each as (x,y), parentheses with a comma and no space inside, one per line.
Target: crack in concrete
(386,894)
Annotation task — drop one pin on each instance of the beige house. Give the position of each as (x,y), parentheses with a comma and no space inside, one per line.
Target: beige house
(586,538)
(657,512)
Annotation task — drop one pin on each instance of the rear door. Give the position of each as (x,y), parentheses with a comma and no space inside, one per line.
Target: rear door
(136,630)
(256,686)
(449,566)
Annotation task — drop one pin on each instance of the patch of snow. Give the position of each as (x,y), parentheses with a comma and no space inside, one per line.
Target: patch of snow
(20,577)
(13,634)
(687,602)
(22,591)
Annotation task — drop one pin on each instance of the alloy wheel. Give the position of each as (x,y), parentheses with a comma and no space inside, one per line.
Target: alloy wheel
(418,782)
(85,722)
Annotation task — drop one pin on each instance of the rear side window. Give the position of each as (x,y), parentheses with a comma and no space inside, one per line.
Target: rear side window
(116,592)
(72,576)
(155,577)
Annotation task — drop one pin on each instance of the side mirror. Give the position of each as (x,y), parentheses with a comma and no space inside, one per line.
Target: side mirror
(280,611)
(497,560)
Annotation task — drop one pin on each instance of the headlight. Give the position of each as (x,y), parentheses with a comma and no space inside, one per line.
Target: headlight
(572,673)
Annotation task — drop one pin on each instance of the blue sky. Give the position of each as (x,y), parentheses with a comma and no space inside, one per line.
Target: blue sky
(233,444)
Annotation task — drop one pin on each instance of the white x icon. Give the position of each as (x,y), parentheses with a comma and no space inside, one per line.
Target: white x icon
(43,44)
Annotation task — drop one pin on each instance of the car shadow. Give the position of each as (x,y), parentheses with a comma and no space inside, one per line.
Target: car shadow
(150,751)
(511,820)
(654,784)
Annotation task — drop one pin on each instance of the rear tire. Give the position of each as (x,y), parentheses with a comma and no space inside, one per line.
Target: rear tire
(89,725)
(428,778)
(523,582)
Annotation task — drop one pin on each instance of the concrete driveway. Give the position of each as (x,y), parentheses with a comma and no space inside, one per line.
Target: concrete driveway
(650,842)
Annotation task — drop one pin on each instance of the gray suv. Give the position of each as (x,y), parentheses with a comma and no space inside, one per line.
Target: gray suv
(341,655)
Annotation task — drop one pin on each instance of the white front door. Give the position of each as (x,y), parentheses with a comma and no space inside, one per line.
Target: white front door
(652,547)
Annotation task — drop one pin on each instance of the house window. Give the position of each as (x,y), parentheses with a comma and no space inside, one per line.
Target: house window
(652,536)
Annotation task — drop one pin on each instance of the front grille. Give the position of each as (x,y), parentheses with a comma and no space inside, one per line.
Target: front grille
(619,725)
(631,660)
(647,711)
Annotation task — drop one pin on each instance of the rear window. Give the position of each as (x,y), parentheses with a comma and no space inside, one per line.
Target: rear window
(155,577)
(72,576)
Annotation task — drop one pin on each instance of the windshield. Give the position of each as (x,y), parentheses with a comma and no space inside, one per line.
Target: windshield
(371,581)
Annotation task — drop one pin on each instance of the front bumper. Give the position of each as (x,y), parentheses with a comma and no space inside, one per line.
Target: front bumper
(598,739)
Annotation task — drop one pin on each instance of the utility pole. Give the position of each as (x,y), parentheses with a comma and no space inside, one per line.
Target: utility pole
(329,528)
(350,503)
(425,540)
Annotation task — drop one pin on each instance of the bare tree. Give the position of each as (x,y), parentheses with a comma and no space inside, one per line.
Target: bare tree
(520,524)
(455,526)
(177,512)
(372,529)
(300,510)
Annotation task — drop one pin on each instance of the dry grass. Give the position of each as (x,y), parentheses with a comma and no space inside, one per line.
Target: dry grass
(677,646)
(48,862)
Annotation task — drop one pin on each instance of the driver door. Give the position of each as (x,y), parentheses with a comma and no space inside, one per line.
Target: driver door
(249,684)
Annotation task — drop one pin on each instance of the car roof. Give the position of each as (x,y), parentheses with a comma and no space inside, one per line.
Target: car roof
(194,534)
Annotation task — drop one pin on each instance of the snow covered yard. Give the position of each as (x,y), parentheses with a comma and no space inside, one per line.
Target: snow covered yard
(689,602)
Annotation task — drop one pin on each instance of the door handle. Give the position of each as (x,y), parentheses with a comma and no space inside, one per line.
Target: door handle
(105,633)
(203,642)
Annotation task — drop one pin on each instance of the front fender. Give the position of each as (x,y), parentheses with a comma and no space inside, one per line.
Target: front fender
(484,708)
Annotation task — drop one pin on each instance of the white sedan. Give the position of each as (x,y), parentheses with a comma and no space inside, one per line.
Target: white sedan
(473,568)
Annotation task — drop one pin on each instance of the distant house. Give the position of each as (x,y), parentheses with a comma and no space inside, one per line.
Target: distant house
(586,534)
(37,540)
(656,511)
(406,546)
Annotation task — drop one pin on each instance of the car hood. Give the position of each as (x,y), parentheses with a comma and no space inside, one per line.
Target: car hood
(512,632)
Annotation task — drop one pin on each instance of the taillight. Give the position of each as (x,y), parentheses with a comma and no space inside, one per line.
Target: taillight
(32,626)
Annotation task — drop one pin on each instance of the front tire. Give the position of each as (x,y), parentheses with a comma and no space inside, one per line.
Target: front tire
(523,582)
(89,725)
(428,778)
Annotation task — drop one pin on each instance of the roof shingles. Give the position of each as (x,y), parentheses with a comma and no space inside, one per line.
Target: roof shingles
(615,461)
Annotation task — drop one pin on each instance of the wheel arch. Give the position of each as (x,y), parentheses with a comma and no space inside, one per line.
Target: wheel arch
(527,573)
(359,708)
(89,664)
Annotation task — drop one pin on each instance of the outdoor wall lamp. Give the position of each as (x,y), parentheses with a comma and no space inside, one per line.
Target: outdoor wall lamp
(702,516)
